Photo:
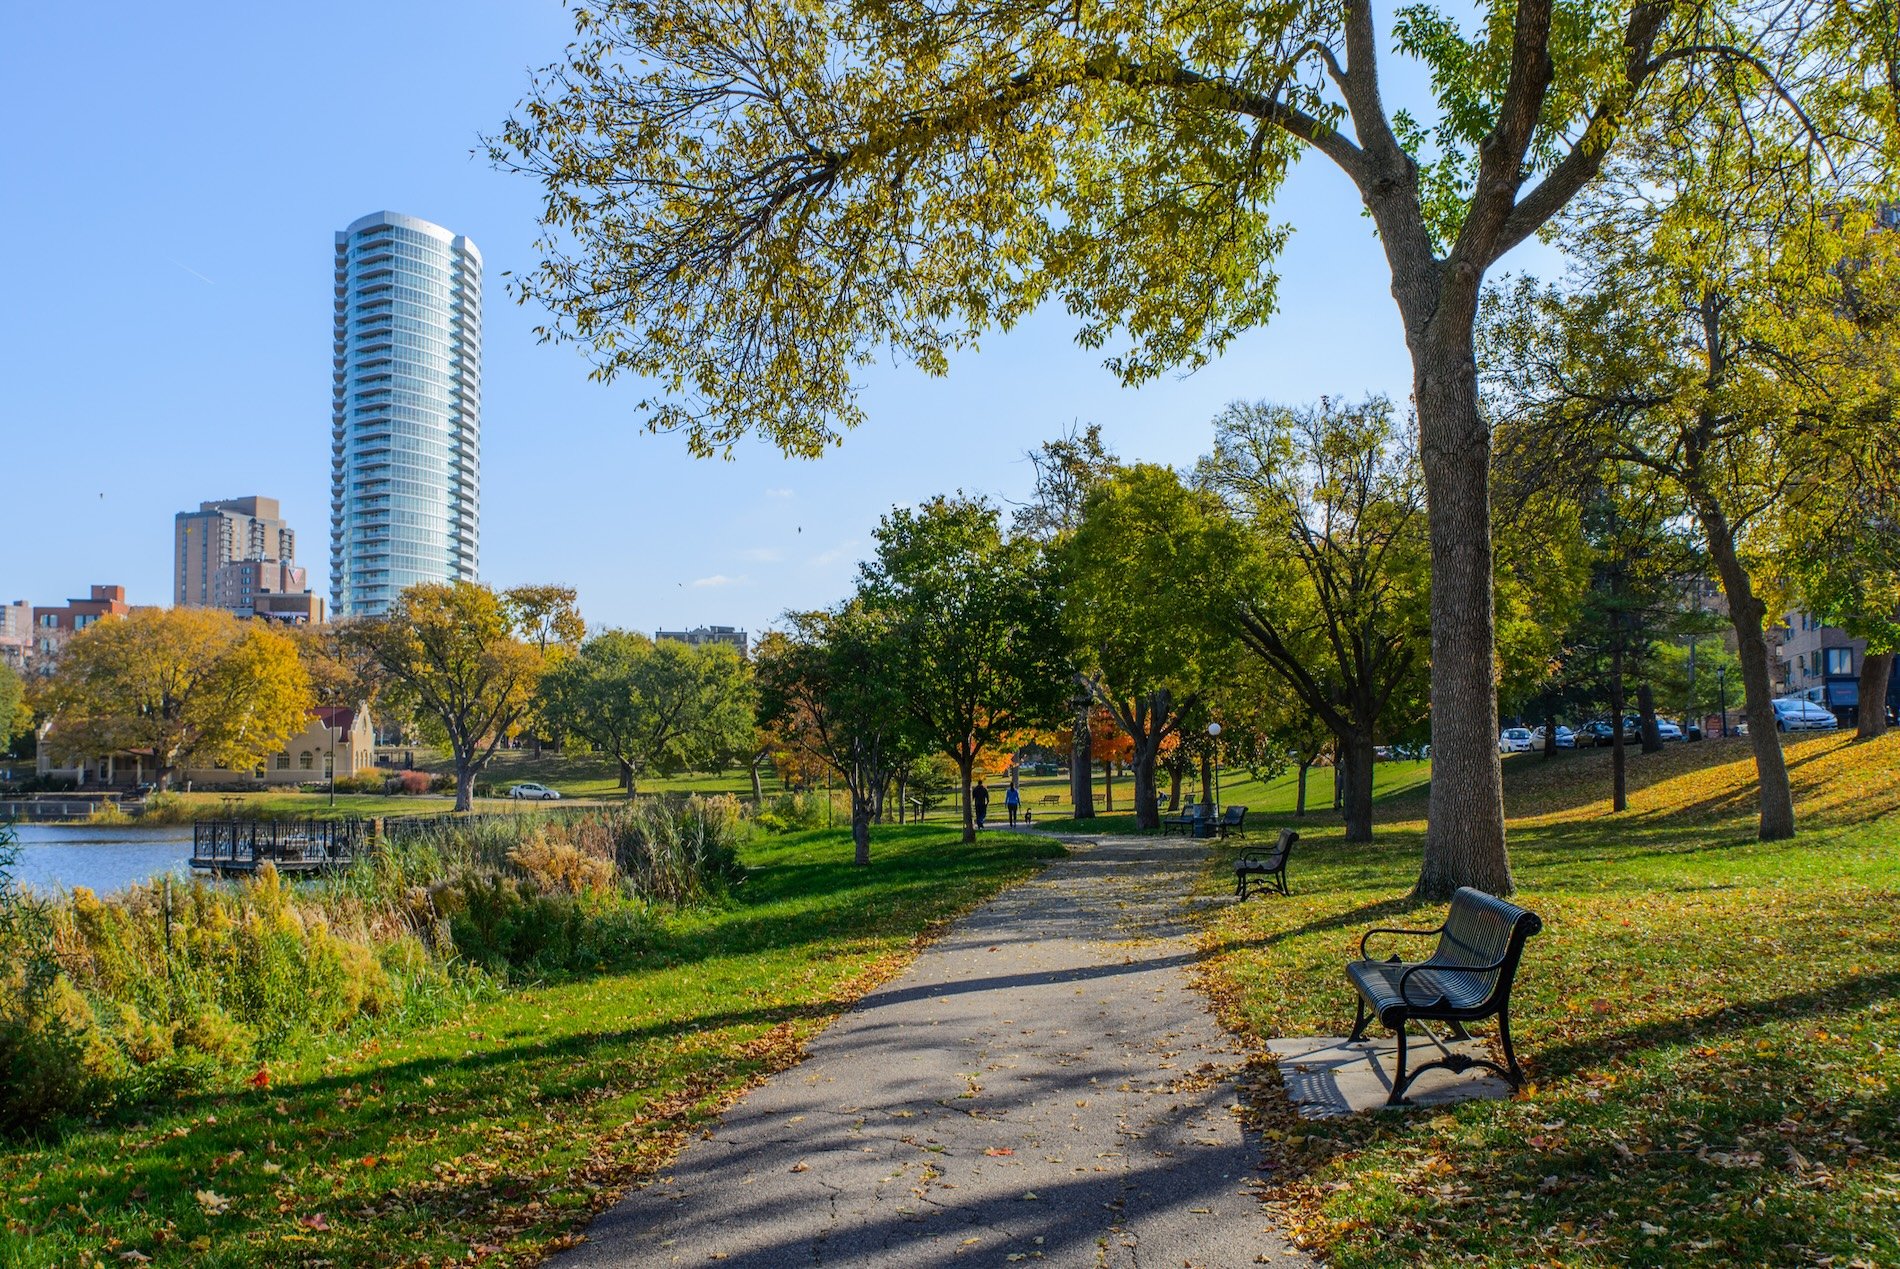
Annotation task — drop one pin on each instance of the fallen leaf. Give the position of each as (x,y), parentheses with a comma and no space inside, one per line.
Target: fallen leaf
(997,1152)
(801,1166)
(213,1203)
(315,1220)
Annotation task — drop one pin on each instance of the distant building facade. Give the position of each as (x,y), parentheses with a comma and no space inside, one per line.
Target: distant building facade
(16,634)
(1812,652)
(220,533)
(271,589)
(336,738)
(702,635)
(52,627)
(406,411)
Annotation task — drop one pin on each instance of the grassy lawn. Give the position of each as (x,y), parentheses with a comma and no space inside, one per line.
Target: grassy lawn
(1262,798)
(493,1138)
(1709,1022)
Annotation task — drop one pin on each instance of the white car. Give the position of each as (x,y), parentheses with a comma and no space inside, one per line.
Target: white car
(1514,740)
(1566,739)
(1792,713)
(534,792)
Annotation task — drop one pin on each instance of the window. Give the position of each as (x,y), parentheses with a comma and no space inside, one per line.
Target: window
(283,762)
(1840,660)
(303,761)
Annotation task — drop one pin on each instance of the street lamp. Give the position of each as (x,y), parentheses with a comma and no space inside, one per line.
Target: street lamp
(1721,693)
(1213,736)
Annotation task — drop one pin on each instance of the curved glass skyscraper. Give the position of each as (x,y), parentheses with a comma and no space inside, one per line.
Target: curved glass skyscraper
(406,411)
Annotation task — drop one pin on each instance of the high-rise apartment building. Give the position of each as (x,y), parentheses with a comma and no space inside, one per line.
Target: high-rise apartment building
(406,411)
(217,533)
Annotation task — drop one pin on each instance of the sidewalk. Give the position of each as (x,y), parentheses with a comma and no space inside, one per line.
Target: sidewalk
(1043,1085)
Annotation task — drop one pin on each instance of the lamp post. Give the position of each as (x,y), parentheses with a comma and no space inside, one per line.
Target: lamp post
(332,730)
(1721,693)
(1213,738)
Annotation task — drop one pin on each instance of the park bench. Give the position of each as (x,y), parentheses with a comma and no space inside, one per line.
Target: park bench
(1189,821)
(1255,870)
(1051,799)
(1468,977)
(1233,822)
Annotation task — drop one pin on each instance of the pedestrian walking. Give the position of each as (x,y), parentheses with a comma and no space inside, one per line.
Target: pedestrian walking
(1013,799)
(980,803)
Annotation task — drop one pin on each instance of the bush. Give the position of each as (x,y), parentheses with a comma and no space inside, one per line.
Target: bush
(792,812)
(363,782)
(108,813)
(411,782)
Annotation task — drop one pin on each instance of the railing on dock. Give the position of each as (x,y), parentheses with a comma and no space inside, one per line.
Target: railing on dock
(293,846)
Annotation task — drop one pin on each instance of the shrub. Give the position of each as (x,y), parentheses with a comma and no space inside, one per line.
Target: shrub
(363,782)
(411,782)
(108,813)
(792,812)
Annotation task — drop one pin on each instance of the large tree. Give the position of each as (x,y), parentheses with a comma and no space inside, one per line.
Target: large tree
(1336,604)
(979,624)
(15,713)
(196,686)
(1684,344)
(826,687)
(453,659)
(1146,583)
(745,202)
(653,707)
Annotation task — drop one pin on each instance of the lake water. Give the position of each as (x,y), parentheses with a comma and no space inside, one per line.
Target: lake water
(57,857)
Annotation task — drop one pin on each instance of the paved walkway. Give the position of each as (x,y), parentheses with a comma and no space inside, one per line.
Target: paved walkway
(1043,1086)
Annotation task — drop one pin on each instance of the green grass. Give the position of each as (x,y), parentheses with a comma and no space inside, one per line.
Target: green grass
(1709,1023)
(1274,798)
(500,1133)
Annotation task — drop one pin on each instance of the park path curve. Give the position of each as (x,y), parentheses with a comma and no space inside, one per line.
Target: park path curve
(1042,1086)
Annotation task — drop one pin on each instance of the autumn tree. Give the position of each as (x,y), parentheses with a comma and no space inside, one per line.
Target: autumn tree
(743,203)
(977,618)
(653,707)
(1146,578)
(1682,344)
(195,686)
(1333,595)
(1068,469)
(341,670)
(453,659)
(826,686)
(15,714)
(549,617)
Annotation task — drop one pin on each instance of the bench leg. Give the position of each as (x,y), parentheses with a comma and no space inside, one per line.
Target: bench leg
(1240,883)
(1399,1078)
(1279,879)
(1359,1020)
(1515,1073)
(1458,1031)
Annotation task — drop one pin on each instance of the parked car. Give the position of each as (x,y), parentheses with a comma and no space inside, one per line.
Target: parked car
(1598,733)
(1792,713)
(1566,739)
(534,792)
(1514,740)
(1633,729)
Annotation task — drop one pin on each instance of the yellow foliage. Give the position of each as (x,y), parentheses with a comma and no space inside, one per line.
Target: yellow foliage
(559,867)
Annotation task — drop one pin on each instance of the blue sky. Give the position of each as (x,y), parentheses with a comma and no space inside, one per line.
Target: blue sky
(173,188)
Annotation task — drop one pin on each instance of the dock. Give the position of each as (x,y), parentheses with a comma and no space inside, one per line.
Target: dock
(226,848)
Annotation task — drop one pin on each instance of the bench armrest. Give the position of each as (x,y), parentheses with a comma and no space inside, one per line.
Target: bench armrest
(1383,929)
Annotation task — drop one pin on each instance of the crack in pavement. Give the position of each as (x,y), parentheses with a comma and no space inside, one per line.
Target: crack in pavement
(1038,1087)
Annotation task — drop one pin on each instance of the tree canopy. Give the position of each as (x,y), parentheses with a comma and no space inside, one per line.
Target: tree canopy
(195,686)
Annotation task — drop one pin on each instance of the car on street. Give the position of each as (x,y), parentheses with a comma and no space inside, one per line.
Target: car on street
(528,791)
(1566,739)
(1793,713)
(1666,730)
(1514,740)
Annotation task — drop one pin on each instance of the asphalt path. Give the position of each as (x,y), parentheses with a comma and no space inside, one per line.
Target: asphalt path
(1042,1086)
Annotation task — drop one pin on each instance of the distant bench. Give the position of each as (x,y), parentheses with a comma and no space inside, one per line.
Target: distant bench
(1264,870)
(1468,977)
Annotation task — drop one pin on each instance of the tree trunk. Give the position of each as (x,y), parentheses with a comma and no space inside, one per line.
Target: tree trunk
(1619,700)
(1082,765)
(1357,760)
(1464,836)
(1550,735)
(1876,668)
(861,831)
(1747,613)
(1147,811)
(964,766)
(1108,785)
(1646,715)
(758,790)
(1299,806)
(626,777)
(464,783)
(1174,788)
(1207,779)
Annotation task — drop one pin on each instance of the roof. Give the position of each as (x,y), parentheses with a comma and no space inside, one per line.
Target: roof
(339,717)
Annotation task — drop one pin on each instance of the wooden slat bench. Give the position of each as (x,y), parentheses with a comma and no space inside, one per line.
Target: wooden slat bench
(1257,870)
(1468,977)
